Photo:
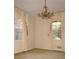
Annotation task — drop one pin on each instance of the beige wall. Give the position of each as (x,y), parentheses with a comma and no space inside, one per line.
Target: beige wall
(27,42)
(42,29)
(41,32)
(40,54)
(19,45)
(38,30)
(31,27)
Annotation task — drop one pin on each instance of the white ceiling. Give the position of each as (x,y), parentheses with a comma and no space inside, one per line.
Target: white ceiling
(34,6)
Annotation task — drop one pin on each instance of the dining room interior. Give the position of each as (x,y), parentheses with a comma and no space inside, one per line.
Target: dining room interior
(39,29)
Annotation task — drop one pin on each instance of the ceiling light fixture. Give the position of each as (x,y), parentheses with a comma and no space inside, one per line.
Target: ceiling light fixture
(45,13)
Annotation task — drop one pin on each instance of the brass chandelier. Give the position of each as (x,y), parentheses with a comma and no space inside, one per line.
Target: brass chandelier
(45,13)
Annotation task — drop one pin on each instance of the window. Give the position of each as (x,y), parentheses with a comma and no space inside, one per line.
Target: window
(18,26)
(56,30)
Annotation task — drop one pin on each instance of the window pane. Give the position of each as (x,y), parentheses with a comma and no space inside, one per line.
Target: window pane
(18,26)
(56,30)
(18,23)
(18,34)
